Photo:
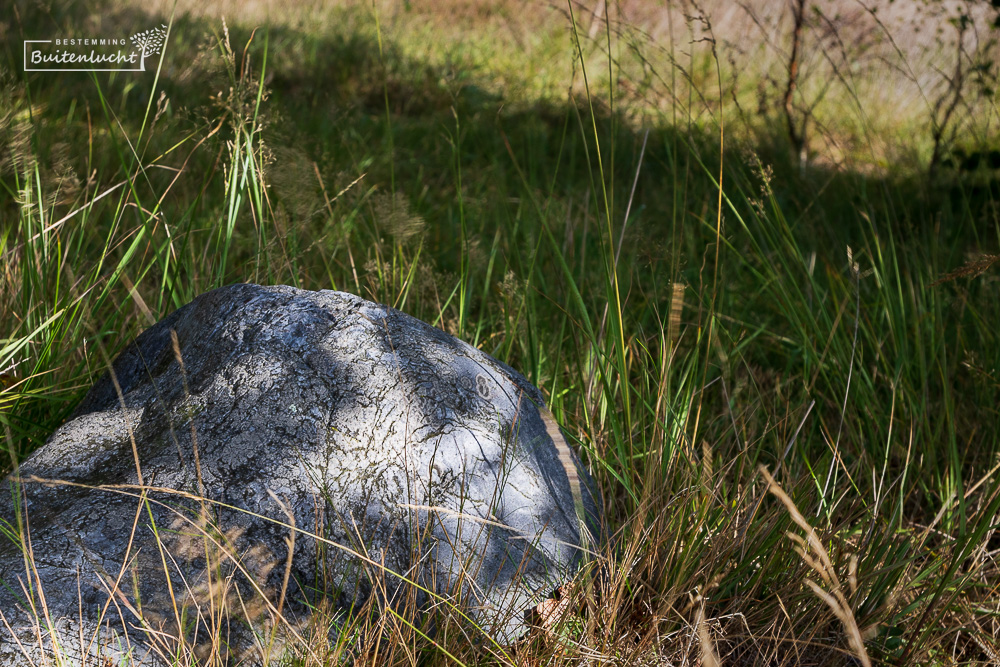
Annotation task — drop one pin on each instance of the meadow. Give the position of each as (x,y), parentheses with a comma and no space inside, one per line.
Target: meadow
(762,299)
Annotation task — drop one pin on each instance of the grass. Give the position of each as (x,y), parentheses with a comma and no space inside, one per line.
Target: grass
(781,375)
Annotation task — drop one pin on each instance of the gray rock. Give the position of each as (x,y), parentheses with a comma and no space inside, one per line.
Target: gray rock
(418,472)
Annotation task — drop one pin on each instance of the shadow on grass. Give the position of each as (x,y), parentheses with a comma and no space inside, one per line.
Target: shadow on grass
(335,99)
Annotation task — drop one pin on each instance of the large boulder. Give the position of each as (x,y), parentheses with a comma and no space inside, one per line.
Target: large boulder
(417,471)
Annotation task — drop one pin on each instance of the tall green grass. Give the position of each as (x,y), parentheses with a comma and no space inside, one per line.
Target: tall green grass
(793,422)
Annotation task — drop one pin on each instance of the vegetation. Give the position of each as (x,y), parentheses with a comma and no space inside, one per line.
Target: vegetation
(765,305)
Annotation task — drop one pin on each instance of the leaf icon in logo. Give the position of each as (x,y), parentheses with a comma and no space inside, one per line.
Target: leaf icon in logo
(149,43)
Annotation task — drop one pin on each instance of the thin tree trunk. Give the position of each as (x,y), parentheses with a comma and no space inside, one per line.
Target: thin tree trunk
(795,135)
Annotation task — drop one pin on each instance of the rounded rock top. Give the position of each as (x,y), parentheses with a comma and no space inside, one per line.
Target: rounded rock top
(412,469)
